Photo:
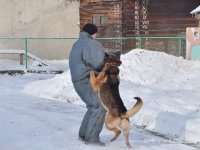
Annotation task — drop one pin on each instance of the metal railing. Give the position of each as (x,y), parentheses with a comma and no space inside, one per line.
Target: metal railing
(181,40)
(26,43)
(139,39)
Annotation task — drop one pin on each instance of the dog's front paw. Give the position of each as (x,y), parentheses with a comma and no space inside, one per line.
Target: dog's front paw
(92,74)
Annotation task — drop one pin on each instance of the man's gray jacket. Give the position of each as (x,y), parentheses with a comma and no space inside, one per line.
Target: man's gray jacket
(86,55)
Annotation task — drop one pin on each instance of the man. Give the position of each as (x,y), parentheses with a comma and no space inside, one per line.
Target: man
(86,55)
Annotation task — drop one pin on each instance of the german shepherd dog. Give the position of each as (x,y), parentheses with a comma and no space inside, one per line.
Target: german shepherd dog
(107,86)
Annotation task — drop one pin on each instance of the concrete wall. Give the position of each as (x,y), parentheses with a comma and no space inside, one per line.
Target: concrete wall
(39,18)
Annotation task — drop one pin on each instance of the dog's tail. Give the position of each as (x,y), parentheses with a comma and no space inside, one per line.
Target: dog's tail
(134,109)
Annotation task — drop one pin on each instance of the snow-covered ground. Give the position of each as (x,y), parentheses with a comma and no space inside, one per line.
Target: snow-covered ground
(44,112)
(50,65)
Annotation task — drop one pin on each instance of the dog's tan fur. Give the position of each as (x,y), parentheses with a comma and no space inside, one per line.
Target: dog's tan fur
(107,86)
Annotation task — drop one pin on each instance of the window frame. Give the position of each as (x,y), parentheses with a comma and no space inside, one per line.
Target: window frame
(98,20)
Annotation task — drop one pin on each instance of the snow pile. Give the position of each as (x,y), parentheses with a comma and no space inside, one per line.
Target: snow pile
(147,67)
(58,88)
(168,85)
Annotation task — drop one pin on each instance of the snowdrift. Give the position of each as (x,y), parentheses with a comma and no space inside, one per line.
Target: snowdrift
(168,85)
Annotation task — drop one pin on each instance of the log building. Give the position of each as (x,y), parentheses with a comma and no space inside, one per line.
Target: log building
(128,18)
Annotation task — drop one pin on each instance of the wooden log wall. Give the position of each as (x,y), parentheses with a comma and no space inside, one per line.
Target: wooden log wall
(128,18)
(141,17)
(112,9)
(157,17)
(171,17)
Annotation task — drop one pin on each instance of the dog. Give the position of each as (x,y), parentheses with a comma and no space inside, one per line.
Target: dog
(107,86)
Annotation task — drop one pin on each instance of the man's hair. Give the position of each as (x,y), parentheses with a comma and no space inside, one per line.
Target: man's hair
(90,28)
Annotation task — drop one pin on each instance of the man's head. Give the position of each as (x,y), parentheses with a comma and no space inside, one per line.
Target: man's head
(91,29)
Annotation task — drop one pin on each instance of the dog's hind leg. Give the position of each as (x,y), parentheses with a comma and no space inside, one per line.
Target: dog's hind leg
(111,124)
(117,133)
(126,134)
(126,128)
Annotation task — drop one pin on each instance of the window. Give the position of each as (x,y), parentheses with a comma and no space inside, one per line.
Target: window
(104,20)
(100,20)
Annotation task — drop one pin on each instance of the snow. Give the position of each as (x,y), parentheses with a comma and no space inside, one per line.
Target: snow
(13,51)
(16,51)
(34,65)
(197,10)
(44,112)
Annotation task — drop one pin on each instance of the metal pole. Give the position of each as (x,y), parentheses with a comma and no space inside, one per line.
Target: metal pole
(140,40)
(26,51)
(180,47)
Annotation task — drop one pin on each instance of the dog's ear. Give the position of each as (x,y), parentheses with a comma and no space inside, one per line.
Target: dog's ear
(113,60)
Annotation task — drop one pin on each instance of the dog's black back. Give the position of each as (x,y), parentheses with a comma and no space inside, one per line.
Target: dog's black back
(109,92)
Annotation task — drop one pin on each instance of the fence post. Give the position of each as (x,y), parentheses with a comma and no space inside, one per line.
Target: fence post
(26,51)
(140,42)
(180,47)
